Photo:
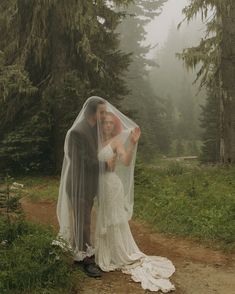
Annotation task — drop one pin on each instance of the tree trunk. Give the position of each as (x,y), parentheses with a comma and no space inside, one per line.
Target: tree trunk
(227,71)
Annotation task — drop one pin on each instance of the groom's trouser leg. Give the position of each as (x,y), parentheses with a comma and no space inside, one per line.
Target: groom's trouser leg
(90,190)
(87,223)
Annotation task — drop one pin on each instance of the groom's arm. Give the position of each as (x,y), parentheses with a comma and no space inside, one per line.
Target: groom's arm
(82,148)
(81,144)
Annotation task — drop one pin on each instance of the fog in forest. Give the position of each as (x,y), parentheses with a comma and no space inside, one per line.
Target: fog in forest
(170,103)
(133,54)
(170,79)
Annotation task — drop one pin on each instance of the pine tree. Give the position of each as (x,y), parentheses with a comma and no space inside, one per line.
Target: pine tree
(210,124)
(149,110)
(59,53)
(172,81)
(216,54)
(227,75)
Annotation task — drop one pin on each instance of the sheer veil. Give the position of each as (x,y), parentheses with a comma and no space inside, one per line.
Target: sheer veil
(83,168)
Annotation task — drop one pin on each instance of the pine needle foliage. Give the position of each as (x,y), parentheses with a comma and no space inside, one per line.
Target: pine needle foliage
(54,54)
(207,53)
(149,110)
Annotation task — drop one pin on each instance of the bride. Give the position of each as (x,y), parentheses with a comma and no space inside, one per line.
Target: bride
(115,248)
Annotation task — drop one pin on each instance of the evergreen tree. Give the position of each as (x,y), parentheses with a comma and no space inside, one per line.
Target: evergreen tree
(56,53)
(216,55)
(227,74)
(172,81)
(150,111)
(210,125)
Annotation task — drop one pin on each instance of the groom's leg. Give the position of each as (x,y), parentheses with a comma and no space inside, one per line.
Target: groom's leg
(87,223)
(89,266)
(90,192)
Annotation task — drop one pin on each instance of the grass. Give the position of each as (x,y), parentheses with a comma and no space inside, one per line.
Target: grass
(40,188)
(178,198)
(191,201)
(30,263)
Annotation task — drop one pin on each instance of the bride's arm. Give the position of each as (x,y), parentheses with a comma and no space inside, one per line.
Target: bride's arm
(125,155)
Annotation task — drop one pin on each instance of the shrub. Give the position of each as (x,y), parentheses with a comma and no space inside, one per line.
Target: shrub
(29,262)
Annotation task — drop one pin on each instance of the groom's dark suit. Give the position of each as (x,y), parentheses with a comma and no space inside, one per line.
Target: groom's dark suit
(82,180)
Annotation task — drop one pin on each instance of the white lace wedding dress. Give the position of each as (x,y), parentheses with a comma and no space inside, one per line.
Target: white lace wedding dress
(115,248)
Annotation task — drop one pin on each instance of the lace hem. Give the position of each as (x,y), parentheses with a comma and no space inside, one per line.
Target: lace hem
(77,254)
(80,255)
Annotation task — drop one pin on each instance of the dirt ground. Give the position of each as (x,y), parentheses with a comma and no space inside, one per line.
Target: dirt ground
(199,270)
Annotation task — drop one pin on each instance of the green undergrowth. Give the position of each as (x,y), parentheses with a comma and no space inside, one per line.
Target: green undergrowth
(188,200)
(30,263)
(176,197)
(38,188)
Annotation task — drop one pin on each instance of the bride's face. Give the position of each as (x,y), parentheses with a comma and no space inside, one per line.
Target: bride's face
(108,125)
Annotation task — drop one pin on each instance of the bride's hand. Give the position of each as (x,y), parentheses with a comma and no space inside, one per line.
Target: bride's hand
(135,135)
(111,163)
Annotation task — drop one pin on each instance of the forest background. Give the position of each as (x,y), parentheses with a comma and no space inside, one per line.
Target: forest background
(54,54)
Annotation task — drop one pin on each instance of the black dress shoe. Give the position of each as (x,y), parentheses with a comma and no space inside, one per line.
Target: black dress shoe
(92,270)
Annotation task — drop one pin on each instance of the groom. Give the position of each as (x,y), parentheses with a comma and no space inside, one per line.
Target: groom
(83,181)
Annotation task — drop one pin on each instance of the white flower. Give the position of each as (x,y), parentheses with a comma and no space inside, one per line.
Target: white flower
(4,242)
(110,4)
(16,185)
(101,20)
(62,244)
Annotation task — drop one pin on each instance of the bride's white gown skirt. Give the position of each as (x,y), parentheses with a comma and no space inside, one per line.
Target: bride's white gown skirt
(115,246)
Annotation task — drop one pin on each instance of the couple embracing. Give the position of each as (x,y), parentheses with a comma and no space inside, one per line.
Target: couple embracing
(98,167)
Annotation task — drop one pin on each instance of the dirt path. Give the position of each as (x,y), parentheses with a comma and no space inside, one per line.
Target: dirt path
(199,270)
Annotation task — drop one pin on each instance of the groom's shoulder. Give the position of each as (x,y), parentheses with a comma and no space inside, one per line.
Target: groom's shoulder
(80,130)
(83,127)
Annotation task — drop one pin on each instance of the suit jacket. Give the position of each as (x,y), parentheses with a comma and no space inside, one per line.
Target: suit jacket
(84,166)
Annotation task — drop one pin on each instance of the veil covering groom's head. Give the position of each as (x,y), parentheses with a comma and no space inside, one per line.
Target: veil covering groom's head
(95,107)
